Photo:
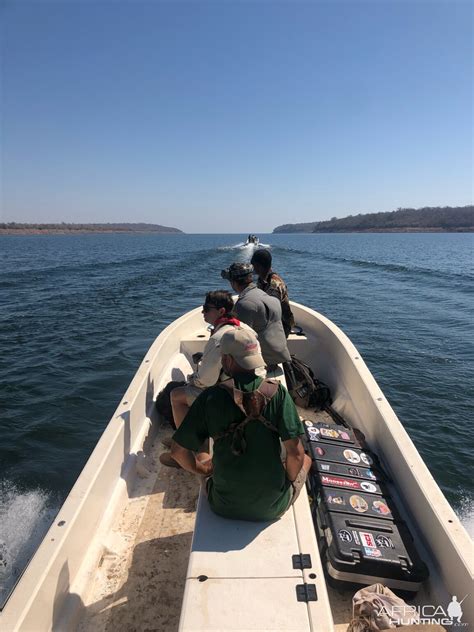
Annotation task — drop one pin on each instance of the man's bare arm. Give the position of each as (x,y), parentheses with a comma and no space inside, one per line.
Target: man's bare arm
(294,457)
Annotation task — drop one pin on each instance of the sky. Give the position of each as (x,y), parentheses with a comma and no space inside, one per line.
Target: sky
(233,116)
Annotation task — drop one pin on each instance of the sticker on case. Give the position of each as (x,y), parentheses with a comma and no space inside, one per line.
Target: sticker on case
(308,423)
(367,539)
(359,504)
(354,471)
(351,456)
(320,451)
(344,535)
(366,458)
(373,552)
(327,432)
(384,542)
(325,467)
(368,487)
(380,507)
(356,537)
(340,482)
(369,474)
(336,500)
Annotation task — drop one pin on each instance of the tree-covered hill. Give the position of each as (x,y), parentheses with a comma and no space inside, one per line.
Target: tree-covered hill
(428,219)
(12,227)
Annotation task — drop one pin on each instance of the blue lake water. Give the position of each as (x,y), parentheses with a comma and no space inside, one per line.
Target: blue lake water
(78,313)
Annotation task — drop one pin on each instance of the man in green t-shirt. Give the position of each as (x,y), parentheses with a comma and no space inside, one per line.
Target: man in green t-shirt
(253,484)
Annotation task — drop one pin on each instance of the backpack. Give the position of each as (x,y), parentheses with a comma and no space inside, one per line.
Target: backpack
(163,402)
(305,390)
(252,405)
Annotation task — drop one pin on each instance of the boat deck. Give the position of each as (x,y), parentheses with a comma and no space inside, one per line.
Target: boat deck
(141,574)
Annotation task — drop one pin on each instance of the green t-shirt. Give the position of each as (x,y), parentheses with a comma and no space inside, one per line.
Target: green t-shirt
(252,486)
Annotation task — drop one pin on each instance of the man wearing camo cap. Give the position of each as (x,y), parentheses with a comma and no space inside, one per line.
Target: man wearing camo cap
(261,312)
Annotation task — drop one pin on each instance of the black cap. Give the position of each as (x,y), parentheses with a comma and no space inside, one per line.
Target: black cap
(237,271)
(263,257)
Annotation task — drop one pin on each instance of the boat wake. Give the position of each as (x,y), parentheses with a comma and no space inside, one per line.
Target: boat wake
(466,514)
(244,246)
(24,519)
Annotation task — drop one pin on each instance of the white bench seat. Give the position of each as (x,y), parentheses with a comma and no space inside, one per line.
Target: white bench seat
(241,576)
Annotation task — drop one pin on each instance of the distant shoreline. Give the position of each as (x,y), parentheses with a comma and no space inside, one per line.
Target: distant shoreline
(65,231)
(469,229)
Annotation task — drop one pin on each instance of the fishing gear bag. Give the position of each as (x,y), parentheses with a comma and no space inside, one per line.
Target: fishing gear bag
(163,401)
(305,390)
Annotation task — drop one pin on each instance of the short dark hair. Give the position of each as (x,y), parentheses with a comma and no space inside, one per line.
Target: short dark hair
(262,257)
(220,298)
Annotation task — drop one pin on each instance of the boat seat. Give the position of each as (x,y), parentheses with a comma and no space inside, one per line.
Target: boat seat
(242,575)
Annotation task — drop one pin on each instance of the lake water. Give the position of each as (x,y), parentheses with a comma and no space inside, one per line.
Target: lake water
(78,313)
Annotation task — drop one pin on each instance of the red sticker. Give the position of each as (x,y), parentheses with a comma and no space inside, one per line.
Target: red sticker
(340,482)
(367,539)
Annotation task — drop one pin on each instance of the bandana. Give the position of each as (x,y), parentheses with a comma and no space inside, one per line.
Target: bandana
(226,320)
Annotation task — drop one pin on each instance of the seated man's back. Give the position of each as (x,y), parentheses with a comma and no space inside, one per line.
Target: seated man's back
(252,485)
(249,480)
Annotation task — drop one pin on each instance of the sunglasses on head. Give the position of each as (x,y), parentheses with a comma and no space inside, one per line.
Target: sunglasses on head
(207,307)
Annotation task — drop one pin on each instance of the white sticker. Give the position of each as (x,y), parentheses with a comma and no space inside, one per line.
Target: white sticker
(372,552)
(308,422)
(367,539)
(368,487)
(351,456)
(366,458)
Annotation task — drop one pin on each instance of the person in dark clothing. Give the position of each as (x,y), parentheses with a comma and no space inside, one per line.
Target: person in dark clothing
(273,285)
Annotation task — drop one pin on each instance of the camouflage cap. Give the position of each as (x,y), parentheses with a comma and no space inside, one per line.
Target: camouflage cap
(237,271)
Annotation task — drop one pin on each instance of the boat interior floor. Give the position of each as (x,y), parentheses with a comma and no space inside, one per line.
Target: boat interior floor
(142,570)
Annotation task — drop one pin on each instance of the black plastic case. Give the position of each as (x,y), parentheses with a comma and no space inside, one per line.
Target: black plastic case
(353,471)
(331,433)
(348,455)
(358,503)
(364,550)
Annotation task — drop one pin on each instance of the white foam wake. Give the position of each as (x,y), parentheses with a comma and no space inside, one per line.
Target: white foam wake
(466,515)
(25,517)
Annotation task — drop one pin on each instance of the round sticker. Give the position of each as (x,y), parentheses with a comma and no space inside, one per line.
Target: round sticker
(384,542)
(351,456)
(359,504)
(336,500)
(368,487)
(380,507)
(308,422)
(344,535)
(366,458)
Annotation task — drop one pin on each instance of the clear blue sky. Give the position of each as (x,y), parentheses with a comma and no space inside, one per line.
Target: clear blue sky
(233,116)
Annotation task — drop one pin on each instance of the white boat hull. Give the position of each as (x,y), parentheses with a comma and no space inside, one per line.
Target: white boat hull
(49,594)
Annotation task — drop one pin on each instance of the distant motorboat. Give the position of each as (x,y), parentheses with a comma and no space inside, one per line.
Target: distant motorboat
(252,240)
